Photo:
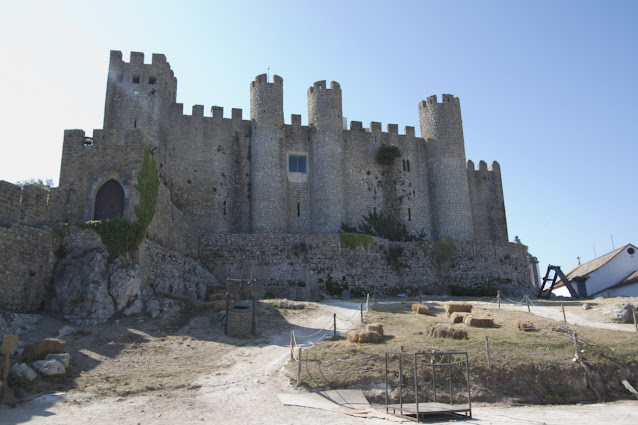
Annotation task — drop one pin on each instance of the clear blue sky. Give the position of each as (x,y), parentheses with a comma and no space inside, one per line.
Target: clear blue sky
(549,89)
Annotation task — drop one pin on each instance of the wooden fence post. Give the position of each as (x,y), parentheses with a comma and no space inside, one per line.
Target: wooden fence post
(299,369)
(487,348)
(564,316)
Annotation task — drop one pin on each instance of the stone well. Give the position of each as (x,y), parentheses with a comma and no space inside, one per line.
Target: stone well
(239,321)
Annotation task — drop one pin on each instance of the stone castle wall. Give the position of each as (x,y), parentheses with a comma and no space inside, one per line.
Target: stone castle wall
(388,267)
(230,175)
(26,264)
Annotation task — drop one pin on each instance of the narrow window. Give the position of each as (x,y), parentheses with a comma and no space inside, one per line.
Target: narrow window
(374,210)
(135,124)
(403,162)
(120,78)
(297,164)
(407,162)
(298,209)
(409,214)
(224,207)
(152,80)
(136,79)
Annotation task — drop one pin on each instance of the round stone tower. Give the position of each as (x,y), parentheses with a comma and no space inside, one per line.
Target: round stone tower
(442,129)
(326,157)
(267,162)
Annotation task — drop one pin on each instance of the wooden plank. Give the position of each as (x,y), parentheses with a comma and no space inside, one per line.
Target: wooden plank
(9,345)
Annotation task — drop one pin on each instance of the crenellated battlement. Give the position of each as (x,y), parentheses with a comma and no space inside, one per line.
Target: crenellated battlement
(28,205)
(321,86)
(483,167)
(263,79)
(376,128)
(445,99)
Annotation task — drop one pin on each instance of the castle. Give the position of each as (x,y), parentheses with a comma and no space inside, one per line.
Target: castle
(258,182)
(260,175)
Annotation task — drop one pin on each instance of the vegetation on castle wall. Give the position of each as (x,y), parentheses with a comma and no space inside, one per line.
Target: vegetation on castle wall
(119,235)
(387,154)
(355,240)
(384,226)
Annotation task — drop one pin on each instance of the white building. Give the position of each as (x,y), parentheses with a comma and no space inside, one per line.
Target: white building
(613,275)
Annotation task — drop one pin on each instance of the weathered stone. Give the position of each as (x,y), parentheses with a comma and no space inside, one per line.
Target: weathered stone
(21,370)
(64,358)
(622,313)
(51,367)
(135,307)
(124,283)
(64,331)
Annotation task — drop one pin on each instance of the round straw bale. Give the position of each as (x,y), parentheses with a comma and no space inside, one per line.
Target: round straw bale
(375,327)
(420,309)
(363,336)
(438,330)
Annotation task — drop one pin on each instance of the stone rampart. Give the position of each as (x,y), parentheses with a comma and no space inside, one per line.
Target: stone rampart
(26,264)
(319,261)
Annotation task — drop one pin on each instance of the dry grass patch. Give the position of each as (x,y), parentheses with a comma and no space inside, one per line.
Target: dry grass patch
(444,331)
(39,350)
(420,309)
(452,307)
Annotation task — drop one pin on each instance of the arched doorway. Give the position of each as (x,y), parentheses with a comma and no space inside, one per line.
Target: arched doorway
(109,201)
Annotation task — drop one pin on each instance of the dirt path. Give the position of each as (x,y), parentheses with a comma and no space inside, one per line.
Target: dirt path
(200,376)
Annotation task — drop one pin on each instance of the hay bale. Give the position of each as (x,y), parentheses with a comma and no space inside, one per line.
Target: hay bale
(375,327)
(444,331)
(452,307)
(420,309)
(526,326)
(361,336)
(457,317)
(479,322)
(39,350)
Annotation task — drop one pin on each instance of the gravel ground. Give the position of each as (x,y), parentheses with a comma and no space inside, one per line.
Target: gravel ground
(207,378)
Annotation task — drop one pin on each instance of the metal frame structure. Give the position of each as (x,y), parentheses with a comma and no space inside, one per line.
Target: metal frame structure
(423,407)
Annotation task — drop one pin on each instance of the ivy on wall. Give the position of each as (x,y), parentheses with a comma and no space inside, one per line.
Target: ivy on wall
(121,236)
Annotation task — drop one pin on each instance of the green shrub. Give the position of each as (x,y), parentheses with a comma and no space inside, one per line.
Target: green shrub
(383,225)
(387,154)
(355,240)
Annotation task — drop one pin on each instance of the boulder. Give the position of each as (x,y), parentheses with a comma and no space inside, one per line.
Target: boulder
(64,358)
(21,370)
(50,367)
(622,313)
(124,283)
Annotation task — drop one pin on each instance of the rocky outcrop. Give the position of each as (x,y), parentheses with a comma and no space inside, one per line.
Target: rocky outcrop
(88,287)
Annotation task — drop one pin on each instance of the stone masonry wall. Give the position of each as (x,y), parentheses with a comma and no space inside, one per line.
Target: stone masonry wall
(26,263)
(312,261)
(488,205)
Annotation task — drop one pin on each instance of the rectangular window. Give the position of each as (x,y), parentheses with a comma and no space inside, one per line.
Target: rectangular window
(136,79)
(407,162)
(298,209)
(120,78)
(152,80)
(297,164)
